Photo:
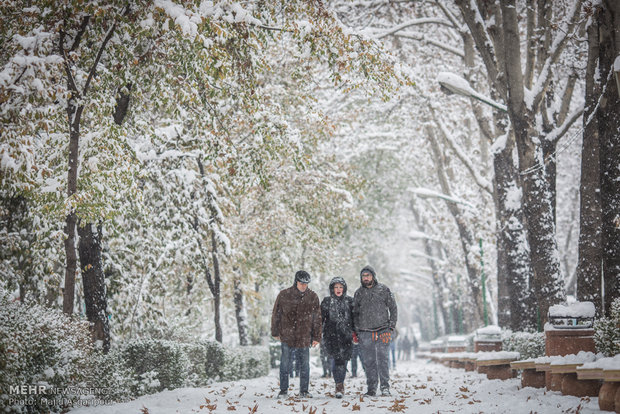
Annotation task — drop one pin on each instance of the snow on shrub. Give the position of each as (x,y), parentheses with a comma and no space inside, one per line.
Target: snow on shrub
(256,361)
(527,344)
(159,364)
(109,374)
(155,364)
(211,361)
(246,362)
(607,331)
(40,347)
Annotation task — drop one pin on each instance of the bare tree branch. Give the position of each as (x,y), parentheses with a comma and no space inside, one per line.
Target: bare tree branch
(554,53)
(480,180)
(559,132)
(426,39)
(531,44)
(483,42)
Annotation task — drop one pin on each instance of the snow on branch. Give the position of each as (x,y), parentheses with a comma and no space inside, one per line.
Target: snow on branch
(427,193)
(416,253)
(188,20)
(534,97)
(482,38)
(560,131)
(415,22)
(430,41)
(480,180)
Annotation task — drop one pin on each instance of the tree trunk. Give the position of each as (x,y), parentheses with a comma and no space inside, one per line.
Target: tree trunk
(217,297)
(549,156)
(537,192)
(438,287)
(538,209)
(242,324)
(609,135)
(589,267)
(93,280)
(466,236)
(512,244)
(71,219)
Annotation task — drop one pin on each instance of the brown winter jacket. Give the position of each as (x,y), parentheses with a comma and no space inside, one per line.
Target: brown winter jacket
(296,318)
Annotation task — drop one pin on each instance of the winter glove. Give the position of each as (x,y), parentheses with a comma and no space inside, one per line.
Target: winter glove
(386,337)
(355,339)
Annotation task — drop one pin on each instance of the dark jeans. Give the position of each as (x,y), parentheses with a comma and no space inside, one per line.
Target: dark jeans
(356,354)
(294,367)
(339,369)
(376,360)
(302,359)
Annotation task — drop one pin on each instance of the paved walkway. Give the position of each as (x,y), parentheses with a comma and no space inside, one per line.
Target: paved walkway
(417,387)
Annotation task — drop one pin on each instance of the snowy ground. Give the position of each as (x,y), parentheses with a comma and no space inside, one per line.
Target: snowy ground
(417,387)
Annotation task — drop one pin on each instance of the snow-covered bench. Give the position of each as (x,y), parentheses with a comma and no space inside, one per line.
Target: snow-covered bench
(530,377)
(607,370)
(566,368)
(496,365)
(560,374)
(488,339)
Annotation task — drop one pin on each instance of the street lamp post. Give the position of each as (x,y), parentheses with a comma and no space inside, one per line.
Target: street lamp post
(484,288)
(453,83)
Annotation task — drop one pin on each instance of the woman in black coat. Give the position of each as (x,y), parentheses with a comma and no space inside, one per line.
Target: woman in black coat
(337,316)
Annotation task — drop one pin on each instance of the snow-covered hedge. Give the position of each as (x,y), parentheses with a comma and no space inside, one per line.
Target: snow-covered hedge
(211,361)
(607,332)
(110,374)
(43,348)
(527,344)
(247,362)
(155,364)
(40,347)
(160,364)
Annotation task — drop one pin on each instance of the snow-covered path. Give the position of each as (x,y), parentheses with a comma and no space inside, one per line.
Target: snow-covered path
(417,387)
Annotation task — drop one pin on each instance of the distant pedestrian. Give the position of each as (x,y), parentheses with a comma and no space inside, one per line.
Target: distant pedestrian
(414,345)
(337,317)
(393,347)
(405,347)
(355,355)
(296,323)
(375,315)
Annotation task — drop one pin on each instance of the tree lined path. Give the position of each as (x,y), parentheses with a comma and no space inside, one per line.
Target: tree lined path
(417,387)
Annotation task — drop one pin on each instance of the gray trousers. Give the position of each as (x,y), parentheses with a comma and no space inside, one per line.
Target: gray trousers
(376,358)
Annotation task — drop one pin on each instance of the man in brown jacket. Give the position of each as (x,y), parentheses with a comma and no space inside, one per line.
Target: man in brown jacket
(296,323)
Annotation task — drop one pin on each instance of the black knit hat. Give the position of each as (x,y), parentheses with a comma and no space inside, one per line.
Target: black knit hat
(302,276)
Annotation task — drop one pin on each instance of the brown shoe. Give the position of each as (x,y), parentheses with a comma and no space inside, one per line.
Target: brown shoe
(339,390)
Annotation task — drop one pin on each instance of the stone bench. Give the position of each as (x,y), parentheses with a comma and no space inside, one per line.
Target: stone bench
(530,377)
(496,365)
(608,371)
(609,393)
(571,384)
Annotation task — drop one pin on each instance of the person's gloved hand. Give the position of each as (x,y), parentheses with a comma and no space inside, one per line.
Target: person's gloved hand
(355,339)
(386,337)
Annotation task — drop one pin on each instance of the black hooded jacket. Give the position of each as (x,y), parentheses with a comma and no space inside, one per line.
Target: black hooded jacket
(337,316)
(374,308)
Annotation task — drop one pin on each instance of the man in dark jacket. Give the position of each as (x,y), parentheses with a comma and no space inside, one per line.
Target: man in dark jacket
(374,316)
(296,323)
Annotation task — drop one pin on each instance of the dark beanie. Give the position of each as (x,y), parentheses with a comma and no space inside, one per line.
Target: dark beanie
(302,276)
